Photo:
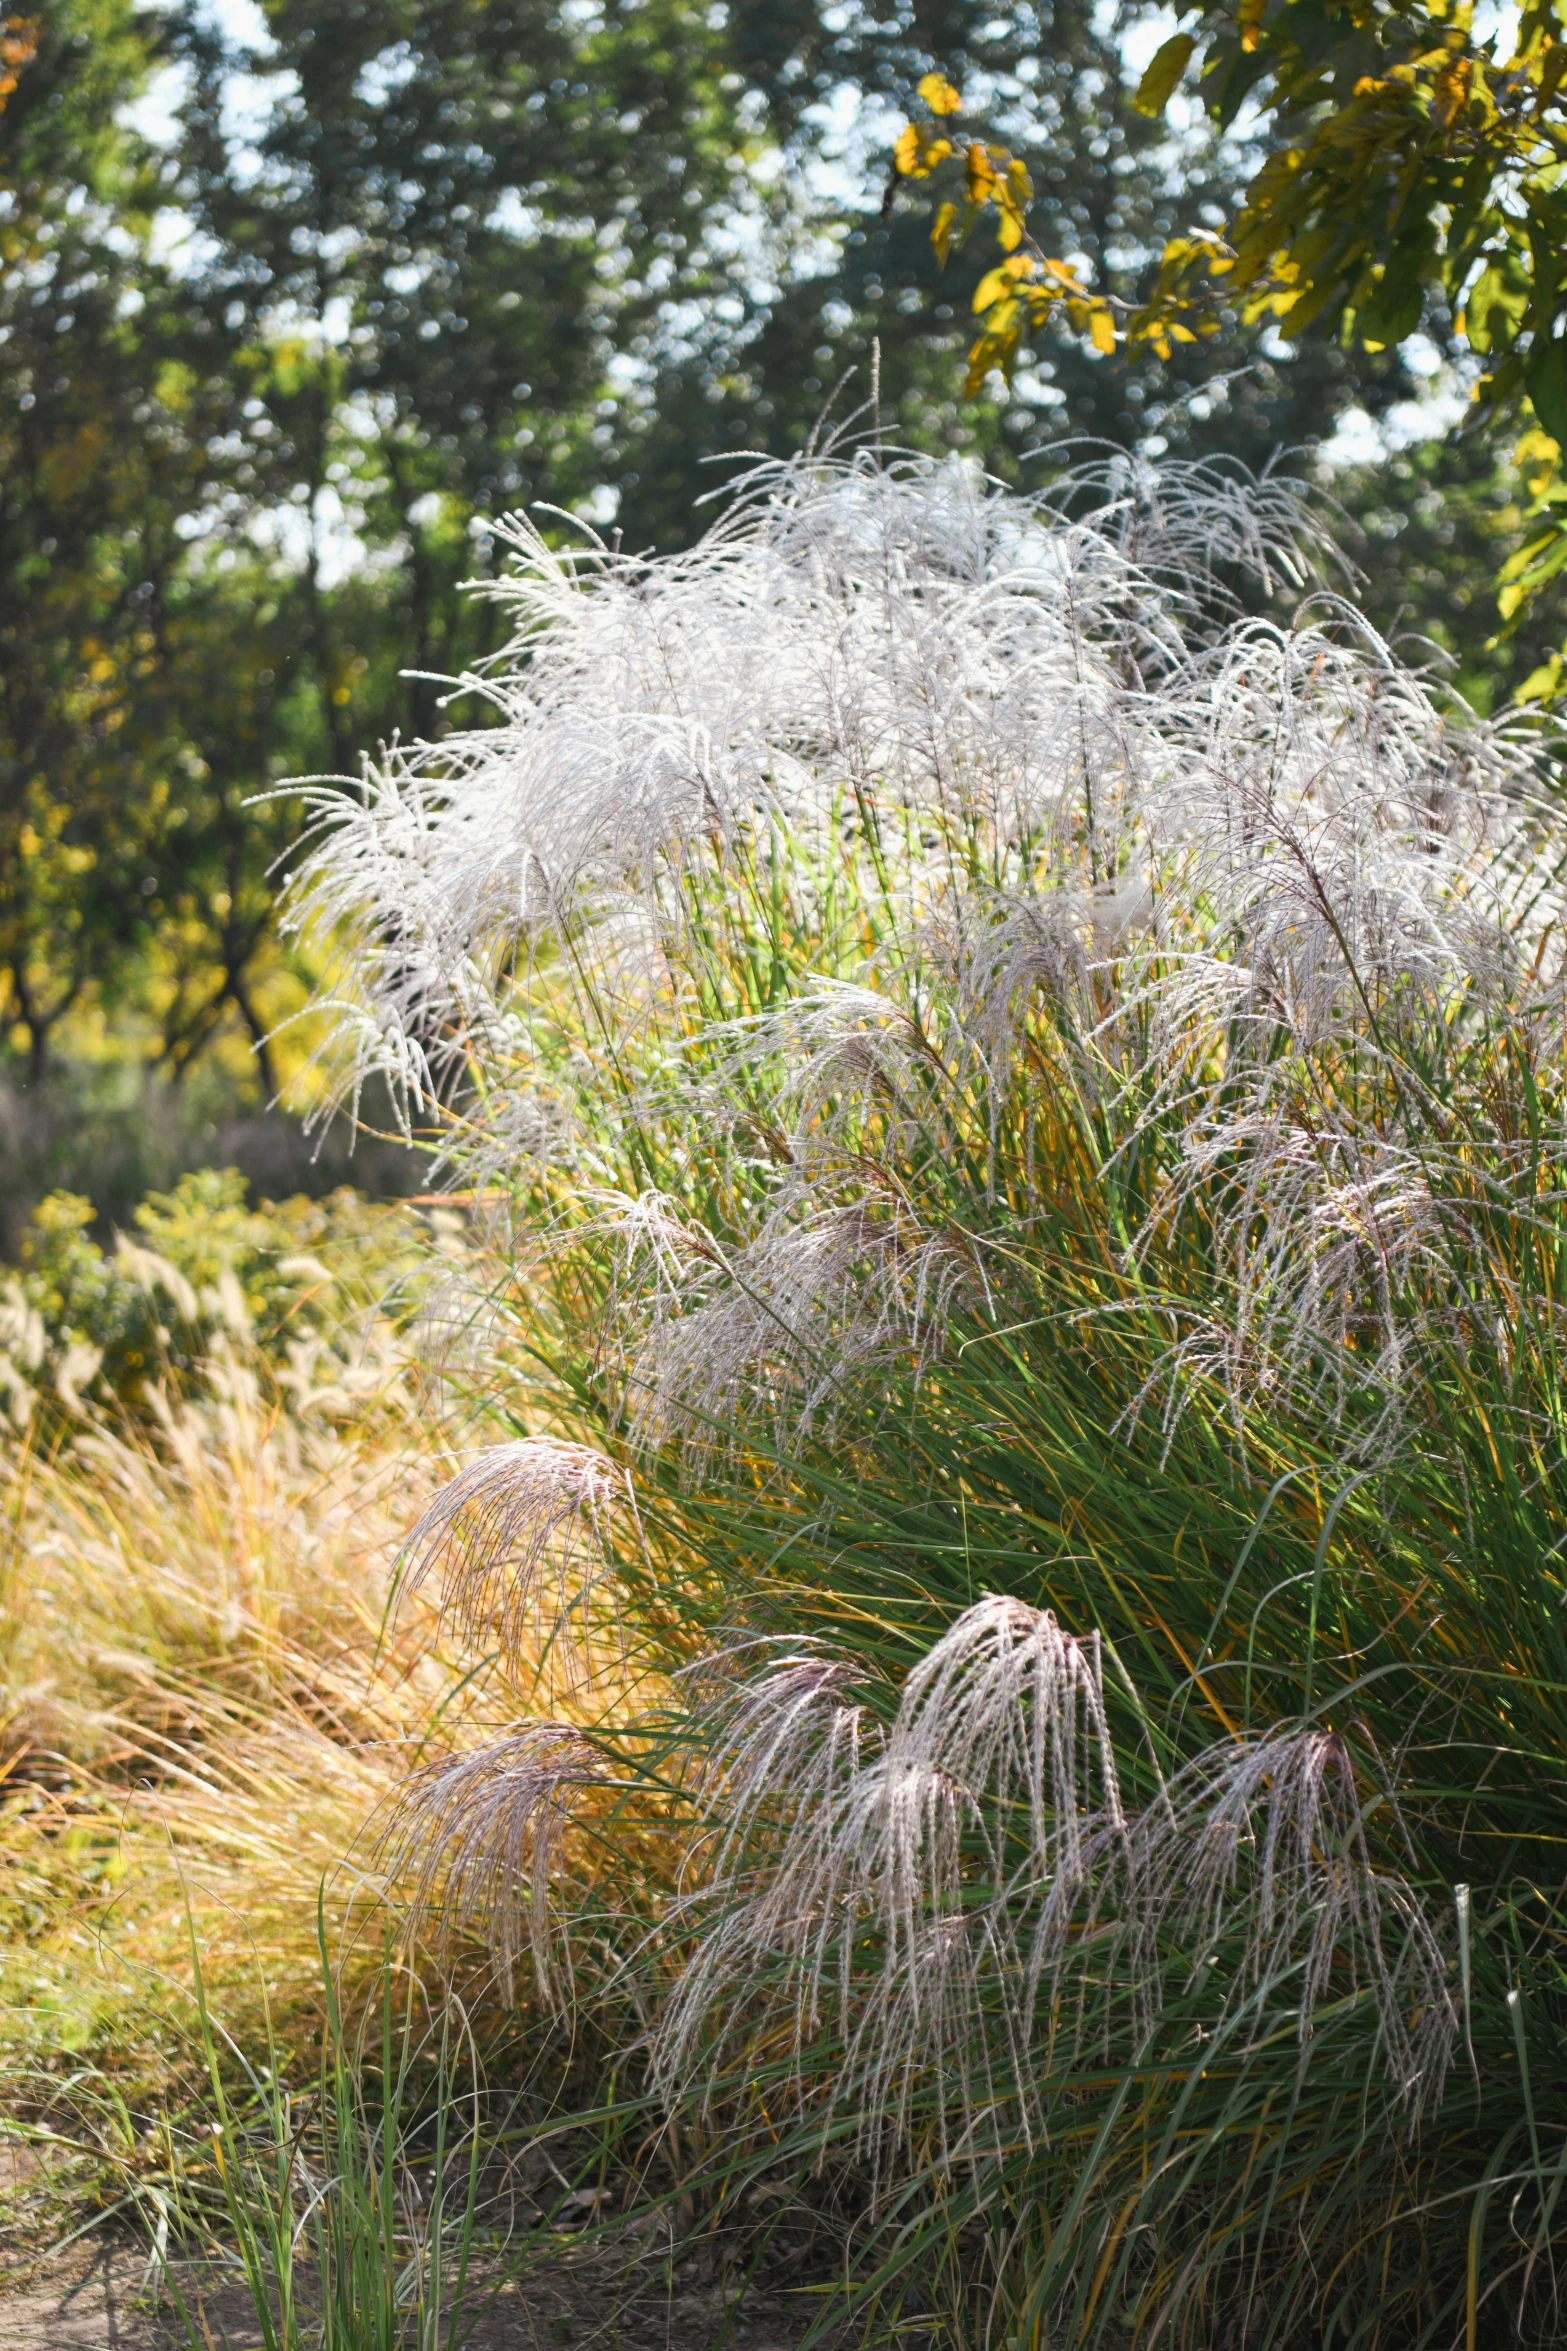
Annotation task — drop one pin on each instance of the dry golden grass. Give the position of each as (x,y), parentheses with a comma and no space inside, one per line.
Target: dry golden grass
(204,1699)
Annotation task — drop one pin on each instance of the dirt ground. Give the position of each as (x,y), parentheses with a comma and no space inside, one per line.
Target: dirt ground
(101,2297)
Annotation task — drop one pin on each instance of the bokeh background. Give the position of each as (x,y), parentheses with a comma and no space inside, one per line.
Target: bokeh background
(297,299)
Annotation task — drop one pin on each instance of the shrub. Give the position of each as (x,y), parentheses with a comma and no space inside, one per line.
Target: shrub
(1025,1107)
(84,1329)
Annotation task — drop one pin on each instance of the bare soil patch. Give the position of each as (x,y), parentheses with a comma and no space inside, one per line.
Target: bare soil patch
(103,2296)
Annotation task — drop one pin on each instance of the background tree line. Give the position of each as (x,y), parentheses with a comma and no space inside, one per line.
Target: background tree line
(293,304)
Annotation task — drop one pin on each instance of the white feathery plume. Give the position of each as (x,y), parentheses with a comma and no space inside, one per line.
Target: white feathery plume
(999,1749)
(1270,1834)
(1255,869)
(480,1838)
(981,1850)
(710,1343)
(901,632)
(1192,520)
(1033,804)
(519,1539)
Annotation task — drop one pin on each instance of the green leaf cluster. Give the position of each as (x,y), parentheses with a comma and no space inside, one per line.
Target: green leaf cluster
(280,1289)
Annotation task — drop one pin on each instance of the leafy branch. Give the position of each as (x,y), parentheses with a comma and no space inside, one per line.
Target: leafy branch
(1413,164)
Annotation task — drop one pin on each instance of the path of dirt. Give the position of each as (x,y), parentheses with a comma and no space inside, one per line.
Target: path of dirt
(102,2298)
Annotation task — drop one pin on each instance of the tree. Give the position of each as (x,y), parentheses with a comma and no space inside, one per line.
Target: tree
(118,402)
(1108,187)
(454,260)
(462,213)
(1407,178)
(239,478)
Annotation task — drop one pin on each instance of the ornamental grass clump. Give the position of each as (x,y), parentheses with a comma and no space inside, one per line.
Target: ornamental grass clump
(1015,1054)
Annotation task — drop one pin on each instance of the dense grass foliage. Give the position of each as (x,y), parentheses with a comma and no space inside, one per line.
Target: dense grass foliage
(202,1701)
(1024,1110)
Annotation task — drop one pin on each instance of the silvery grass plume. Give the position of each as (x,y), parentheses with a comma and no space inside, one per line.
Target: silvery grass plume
(840,1277)
(965,1901)
(852,630)
(960,1896)
(994,768)
(919,913)
(480,1842)
(519,1540)
(1208,522)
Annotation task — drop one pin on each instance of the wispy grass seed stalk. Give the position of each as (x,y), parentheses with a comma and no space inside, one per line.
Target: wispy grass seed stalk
(1040,1093)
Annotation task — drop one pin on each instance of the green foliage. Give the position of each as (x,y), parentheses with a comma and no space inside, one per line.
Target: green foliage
(1419,153)
(1406,182)
(353,2209)
(335,354)
(88,1330)
(442,265)
(1435,524)
(107,434)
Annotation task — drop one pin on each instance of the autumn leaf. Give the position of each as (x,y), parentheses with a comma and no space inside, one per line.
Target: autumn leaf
(1450,90)
(19,37)
(939,95)
(980,173)
(1157,86)
(1000,281)
(918,151)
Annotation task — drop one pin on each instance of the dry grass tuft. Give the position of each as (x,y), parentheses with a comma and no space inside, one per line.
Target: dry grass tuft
(211,1685)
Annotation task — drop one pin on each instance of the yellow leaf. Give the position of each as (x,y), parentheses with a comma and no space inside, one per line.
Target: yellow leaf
(1019,186)
(1542,684)
(941,232)
(995,348)
(1537,457)
(1010,234)
(1450,90)
(919,150)
(981,174)
(1000,281)
(1249,18)
(939,95)
(1101,329)
(1157,86)
(1522,557)
(1480,88)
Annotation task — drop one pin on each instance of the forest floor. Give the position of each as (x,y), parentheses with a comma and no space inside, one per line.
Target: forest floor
(102,2295)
